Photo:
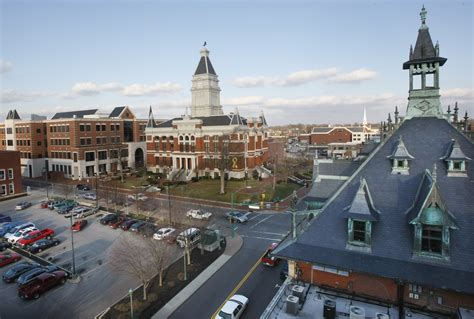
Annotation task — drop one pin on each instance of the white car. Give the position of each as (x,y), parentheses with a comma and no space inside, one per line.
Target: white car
(20,234)
(163,232)
(89,196)
(198,214)
(140,197)
(234,307)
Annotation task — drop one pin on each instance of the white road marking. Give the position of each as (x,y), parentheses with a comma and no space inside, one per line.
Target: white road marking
(265,232)
(261,221)
(263,238)
(256,215)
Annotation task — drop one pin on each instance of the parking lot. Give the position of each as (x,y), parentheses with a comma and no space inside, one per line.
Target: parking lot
(99,286)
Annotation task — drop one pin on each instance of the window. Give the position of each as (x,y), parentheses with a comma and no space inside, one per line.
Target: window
(206,146)
(9,130)
(2,174)
(38,143)
(88,127)
(102,155)
(11,188)
(82,127)
(457,165)
(10,173)
(103,127)
(112,127)
(10,142)
(431,240)
(38,130)
(90,156)
(75,157)
(399,163)
(359,230)
(97,127)
(3,190)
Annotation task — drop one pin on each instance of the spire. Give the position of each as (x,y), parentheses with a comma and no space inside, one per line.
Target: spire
(264,120)
(423,18)
(456,112)
(364,120)
(396,114)
(465,121)
(389,119)
(449,109)
(204,66)
(151,121)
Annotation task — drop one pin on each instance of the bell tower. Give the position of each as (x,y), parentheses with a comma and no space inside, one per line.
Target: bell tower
(423,64)
(205,91)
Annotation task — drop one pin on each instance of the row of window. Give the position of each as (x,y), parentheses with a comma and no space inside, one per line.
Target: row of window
(3,189)
(98,127)
(65,155)
(60,141)
(3,176)
(66,169)
(21,129)
(23,143)
(26,155)
(59,128)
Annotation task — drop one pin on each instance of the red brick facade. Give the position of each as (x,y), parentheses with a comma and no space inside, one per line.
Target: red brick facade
(10,173)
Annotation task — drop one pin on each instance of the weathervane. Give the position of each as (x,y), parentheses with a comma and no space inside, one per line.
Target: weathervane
(423,14)
(205,43)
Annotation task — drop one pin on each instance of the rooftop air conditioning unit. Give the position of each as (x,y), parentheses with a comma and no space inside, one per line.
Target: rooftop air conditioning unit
(292,305)
(356,312)
(297,291)
(382,316)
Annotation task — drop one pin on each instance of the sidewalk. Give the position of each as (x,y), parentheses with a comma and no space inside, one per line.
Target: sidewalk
(232,247)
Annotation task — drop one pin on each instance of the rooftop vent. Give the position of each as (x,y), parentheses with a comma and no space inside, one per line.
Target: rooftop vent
(292,305)
(356,312)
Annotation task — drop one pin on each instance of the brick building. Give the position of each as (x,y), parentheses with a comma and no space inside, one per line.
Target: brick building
(200,144)
(399,231)
(76,144)
(10,173)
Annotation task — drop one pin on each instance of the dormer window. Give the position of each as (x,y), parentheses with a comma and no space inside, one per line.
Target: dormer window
(455,160)
(360,216)
(432,239)
(400,158)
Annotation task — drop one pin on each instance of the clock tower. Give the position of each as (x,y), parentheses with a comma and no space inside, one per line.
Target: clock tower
(423,64)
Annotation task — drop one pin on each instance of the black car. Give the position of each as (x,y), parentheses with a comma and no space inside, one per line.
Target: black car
(126,225)
(82,187)
(4,245)
(147,230)
(43,244)
(136,226)
(111,218)
(15,272)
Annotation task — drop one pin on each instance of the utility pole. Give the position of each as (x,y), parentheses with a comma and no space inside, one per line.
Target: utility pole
(130,292)
(169,202)
(185,257)
(72,243)
(96,190)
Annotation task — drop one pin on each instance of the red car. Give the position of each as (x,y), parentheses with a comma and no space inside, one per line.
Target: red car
(6,259)
(117,223)
(35,236)
(45,203)
(268,259)
(79,225)
(41,284)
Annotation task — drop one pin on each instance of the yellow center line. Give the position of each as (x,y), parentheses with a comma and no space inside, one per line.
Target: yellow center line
(242,281)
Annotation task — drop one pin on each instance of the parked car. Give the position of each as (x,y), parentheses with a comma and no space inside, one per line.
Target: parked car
(13,273)
(14,229)
(107,219)
(20,234)
(66,208)
(198,214)
(54,203)
(5,219)
(147,230)
(81,187)
(116,224)
(41,284)
(141,197)
(6,227)
(235,216)
(35,236)
(162,233)
(127,224)
(8,258)
(43,244)
(22,205)
(4,246)
(136,226)
(86,213)
(89,196)
(191,236)
(79,225)
(30,275)
(268,259)
(234,307)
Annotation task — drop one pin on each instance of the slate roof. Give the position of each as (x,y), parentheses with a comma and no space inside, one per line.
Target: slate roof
(324,189)
(424,50)
(454,152)
(400,151)
(13,115)
(339,167)
(216,120)
(202,69)
(321,129)
(117,111)
(362,207)
(324,242)
(70,115)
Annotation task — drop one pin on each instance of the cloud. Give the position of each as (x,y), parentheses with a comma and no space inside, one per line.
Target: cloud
(244,100)
(111,87)
(86,88)
(458,93)
(5,66)
(10,96)
(354,76)
(152,89)
(306,76)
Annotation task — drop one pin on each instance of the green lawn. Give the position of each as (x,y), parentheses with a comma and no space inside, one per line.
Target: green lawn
(243,192)
(129,182)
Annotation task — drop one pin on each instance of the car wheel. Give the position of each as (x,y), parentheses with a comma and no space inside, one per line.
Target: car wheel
(40,250)
(63,281)
(56,243)
(36,295)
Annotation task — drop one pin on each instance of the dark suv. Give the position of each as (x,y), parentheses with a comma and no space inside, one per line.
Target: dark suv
(41,284)
(111,218)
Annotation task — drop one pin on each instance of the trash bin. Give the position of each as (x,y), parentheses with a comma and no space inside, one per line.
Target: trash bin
(329,311)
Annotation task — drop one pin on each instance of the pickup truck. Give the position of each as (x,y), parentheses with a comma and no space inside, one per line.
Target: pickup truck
(198,214)
(35,236)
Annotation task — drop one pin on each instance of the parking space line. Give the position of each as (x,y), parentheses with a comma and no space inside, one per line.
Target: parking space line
(265,232)
(263,238)
(265,219)
(256,215)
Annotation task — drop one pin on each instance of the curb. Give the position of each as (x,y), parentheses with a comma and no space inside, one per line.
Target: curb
(168,309)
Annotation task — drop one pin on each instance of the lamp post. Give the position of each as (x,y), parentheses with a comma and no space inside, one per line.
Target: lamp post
(169,202)
(72,244)
(45,170)
(96,190)
(130,292)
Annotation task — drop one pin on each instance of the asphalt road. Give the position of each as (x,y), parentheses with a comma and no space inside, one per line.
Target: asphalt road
(260,286)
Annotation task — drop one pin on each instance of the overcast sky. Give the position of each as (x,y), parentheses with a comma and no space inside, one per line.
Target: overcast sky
(298,61)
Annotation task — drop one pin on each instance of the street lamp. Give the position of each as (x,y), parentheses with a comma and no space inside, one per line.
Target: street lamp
(45,170)
(130,292)
(96,190)
(72,244)
(169,202)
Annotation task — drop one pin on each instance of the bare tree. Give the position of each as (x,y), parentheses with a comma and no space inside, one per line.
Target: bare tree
(143,258)
(224,161)
(64,189)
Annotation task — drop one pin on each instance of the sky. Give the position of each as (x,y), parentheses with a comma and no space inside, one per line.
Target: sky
(297,61)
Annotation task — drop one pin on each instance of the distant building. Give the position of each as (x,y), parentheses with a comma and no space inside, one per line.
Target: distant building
(399,230)
(347,150)
(206,141)
(10,173)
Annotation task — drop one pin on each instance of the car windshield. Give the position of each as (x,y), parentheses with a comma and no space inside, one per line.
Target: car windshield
(225,315)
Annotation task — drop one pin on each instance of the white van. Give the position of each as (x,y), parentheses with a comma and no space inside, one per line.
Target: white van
(191,235)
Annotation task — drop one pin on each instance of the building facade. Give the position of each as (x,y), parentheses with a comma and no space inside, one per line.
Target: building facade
(76,144)
(208,141)
(399,229)
(10,173)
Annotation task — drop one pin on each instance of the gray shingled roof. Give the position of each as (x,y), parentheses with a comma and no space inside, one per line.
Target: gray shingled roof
(117,111)
(454,152)
(321,129)
(362,207)
(394,195)
(339,167)
(400,151)
(70,115)
(424,50)
(324,189)
(201,68)
(216,120)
